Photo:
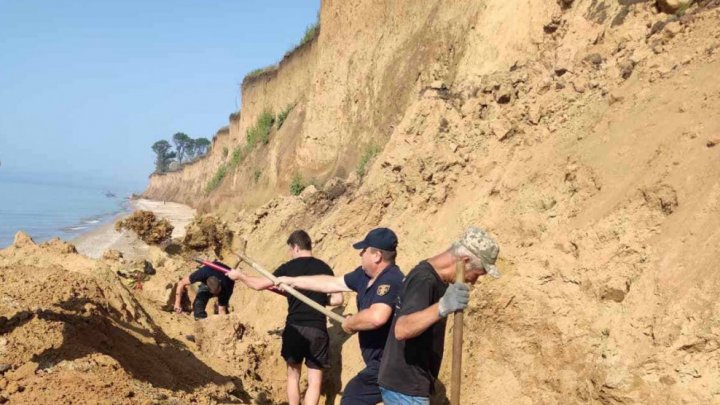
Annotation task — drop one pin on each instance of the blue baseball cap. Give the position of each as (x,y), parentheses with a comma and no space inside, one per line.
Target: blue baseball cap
(379,238)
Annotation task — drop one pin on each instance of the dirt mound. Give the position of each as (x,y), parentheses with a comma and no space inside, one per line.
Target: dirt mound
(148,227)
(208,233)
(72,326)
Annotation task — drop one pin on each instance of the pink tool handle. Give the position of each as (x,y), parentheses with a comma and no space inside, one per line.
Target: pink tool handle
(224,270)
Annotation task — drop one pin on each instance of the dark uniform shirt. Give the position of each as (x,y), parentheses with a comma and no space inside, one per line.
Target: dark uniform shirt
(384,290)
(300,313)
(226,283)
(411,366)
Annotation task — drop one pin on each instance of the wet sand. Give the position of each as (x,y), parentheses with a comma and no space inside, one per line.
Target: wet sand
(97,241)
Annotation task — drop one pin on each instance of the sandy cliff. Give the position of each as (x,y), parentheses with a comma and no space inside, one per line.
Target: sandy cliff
(582,134)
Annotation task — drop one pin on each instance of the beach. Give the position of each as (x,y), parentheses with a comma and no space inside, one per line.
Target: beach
(94,243)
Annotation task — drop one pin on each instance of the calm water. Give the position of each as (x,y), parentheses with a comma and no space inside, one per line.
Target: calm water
(45,210)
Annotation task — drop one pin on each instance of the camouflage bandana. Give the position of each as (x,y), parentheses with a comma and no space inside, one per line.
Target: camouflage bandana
(483,246)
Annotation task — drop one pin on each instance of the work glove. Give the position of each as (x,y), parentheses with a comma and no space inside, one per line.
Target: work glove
(455,299)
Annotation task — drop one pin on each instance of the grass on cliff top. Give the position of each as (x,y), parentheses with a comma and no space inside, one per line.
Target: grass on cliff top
(310,33)
(258,72)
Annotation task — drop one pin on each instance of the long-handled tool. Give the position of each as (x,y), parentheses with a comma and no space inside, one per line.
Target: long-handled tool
(224,270)
(457,342)
(295,293)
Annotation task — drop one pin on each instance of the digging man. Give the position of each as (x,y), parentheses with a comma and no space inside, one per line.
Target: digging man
(213,284)
(377,282)
(305,336)
(414,349)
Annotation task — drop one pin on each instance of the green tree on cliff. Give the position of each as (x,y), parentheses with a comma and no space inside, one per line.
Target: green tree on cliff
(181,142)
(190,150)
(164,156)
(202,145)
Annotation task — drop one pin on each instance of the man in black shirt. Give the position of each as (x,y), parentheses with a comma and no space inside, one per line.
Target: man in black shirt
(214,284)
(414,348)
(377,282)
(305,336)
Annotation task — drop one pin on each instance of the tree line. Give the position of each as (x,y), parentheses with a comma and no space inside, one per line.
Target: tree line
(186,150)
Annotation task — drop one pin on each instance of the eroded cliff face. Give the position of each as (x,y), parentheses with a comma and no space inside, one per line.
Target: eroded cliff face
(584,135)
(350,87)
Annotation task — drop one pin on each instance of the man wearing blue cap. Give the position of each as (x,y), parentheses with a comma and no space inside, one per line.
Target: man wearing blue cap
(377,282)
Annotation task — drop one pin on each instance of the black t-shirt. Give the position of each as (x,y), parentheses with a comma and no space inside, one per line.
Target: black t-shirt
(411,366)
(384,290)
(300,313)
(226,284)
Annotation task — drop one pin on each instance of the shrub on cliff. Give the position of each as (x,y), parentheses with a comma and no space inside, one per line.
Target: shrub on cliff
(260,132)
(297,184)
(370,152)
(151,229)
(217,178)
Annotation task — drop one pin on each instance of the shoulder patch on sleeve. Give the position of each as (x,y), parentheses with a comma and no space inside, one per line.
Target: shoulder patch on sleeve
(383,289)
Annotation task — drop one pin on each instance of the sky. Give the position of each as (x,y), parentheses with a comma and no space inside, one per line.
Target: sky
(87,86)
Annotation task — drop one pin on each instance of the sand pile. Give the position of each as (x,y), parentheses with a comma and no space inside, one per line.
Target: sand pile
(148,227)
(70,332)
(207,233)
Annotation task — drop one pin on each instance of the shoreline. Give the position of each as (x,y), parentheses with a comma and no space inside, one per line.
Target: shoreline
(98,240)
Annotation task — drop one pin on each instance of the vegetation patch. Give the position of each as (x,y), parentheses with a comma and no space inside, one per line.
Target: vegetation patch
(217,178)
(297,184)
(310,33)
(237,157)
(257,72)
(283,114)
(256,175)
(260,132)
(368,155)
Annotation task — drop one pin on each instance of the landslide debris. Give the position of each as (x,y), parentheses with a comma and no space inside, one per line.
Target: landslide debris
(148,227)
(71,333)
(208,233)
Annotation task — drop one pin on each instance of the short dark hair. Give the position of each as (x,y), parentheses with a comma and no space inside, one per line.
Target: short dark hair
(213,284)
(300,239)
(387,255)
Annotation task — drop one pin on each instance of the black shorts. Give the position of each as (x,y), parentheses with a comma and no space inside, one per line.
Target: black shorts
(305,343)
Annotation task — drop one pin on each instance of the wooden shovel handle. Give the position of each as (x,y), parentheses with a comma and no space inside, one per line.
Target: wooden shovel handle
(456,375)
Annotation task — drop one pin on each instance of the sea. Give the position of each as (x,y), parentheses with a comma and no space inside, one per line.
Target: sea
(53,206)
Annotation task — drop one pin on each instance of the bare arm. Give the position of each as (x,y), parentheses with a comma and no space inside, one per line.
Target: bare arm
(321,283)
(336,299)
(179,290)
(222,310)
(254,282)
(412,325)
(368,319)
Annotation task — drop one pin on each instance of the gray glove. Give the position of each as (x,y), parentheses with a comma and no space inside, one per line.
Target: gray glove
(455,299)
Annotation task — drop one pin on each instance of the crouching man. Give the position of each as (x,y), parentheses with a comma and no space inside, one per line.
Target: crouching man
(414,349)
(212,284)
